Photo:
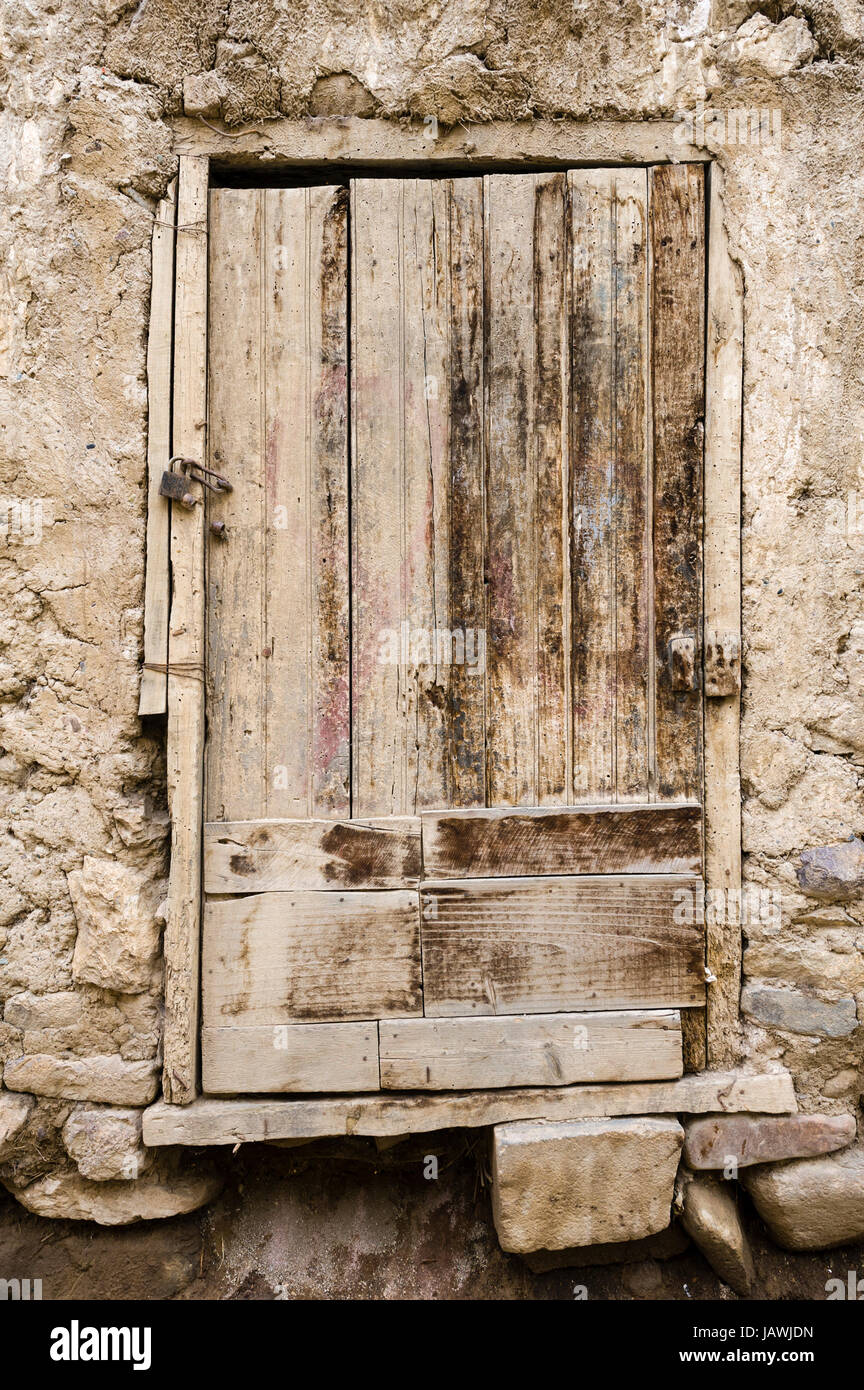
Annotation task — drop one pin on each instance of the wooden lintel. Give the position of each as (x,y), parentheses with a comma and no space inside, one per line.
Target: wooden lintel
(374,142)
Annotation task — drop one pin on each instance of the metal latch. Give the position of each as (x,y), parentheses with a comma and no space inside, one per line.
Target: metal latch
(175,484)
(681,655)
(722,664)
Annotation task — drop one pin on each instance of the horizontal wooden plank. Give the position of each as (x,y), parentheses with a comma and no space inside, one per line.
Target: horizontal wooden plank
(269,855)
(209,1121)
(450,1054)
(546,945)
(376,141)
(308,957)
(290,1057)
(478,843)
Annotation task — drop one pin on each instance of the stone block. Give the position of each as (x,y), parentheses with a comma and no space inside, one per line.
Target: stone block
(66,1195)
(14,1113)
(709,1213)
(795,1012)
(722,1141)
(587,1182)
(29,1012)
(833,871)
(105,1143)
(811,1203)
(107,1079)
(118,934)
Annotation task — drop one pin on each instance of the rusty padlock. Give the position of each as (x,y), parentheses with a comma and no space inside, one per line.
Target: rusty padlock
(175,486)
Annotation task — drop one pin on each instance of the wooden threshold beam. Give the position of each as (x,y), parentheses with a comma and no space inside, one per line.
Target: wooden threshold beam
(210,1121)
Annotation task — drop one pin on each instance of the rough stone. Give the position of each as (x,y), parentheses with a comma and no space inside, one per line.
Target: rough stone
(795,1012)
(739,1141)
(833,871)
(15,1110)
(106,1143)
(776,49)
(709,1213)
(68,1196)
(664,1246)
(340,94)
(107,1079)
(118,935)
(588,1182)
(811,1203)
(204,93)
(841,1083)
(35,1011)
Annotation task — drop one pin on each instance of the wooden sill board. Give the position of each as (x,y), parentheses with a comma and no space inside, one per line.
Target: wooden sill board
(209,1121)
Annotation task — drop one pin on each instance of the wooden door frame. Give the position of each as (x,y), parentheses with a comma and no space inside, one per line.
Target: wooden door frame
(376,144)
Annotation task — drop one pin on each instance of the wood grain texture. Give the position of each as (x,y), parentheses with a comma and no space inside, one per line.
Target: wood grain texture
(418,596)
(311,957)
(210,1121)
(678,395)
(724,400)
(549,1050)
(278,589)
(548,945)
(153,696)
(255,856)
(293,1057)
(467,453)
(235,771)
(633,598)
(526,308)
(591,539)
(591,840)
(186,638)
(610,553)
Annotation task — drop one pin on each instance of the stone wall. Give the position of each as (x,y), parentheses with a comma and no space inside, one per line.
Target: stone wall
(86,152)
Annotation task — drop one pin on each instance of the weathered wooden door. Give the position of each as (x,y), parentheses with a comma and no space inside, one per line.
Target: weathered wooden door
(453,765)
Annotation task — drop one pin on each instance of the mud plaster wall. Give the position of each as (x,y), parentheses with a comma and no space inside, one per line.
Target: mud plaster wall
(86,151)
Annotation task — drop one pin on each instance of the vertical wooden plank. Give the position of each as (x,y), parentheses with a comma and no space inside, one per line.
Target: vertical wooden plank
(630,518)
(467,704)
(305,442)
(417,737)
(278,588)
(235,778)
(526,700)
(425,293)
(724,397)
(592,480)
(185,744)
(510,523)
(379,700)
(551,326)
(154,683)
(677,369)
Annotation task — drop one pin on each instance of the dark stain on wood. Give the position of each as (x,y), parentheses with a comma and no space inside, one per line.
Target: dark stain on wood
(655,839)
(677,366)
